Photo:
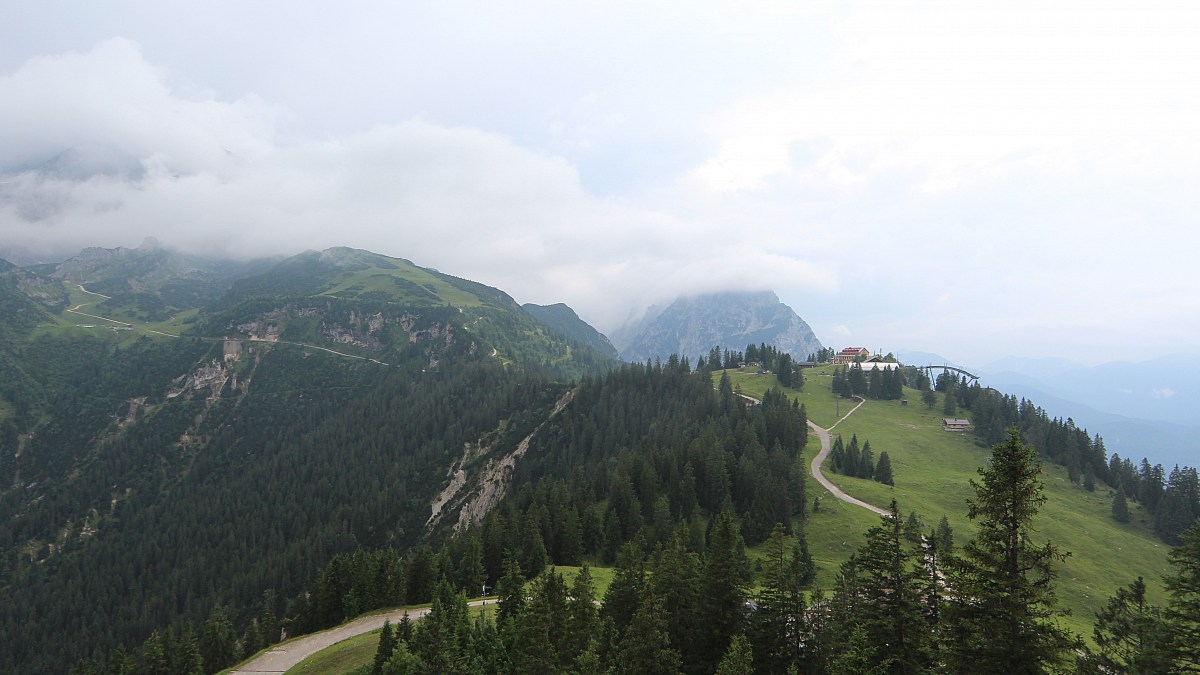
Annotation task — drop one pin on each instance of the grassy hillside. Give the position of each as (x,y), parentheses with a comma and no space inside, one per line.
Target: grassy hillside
(932,471)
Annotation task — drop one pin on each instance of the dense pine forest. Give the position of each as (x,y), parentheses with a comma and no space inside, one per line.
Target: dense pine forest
(265,465)
(146,481)
(671,494)
(900,604)
(322,460)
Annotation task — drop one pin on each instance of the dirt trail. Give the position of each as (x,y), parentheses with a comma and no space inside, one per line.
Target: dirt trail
(75,310)
(286,655)
(823,434)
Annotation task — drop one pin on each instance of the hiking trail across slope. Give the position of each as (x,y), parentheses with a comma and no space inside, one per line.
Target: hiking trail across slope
(823,434)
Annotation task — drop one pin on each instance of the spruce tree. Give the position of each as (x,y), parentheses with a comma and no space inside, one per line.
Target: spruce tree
(912,527)
(583,618)
(890,609)
(778,606)
(510,593)
(723,587)
(837,456)
(675,575)
(628,585)
(866,465)
(853,457)
(1001,613)
(387,645)
(1129,633)
(218,645)
(1120,508)
(269,619)
(646,647)
(154,656)
(883,469)
(1183,609)
(928,398)
(441,638)
(804,569)
(187,653)
(944,536)
(738,659)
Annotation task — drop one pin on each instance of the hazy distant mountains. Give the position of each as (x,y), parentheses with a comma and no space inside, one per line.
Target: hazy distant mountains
(1147,409)
(692,326)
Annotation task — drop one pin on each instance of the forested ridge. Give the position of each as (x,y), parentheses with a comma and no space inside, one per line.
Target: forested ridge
(902,603)
(147,481)
(323,458)
(648,453)
(197,495)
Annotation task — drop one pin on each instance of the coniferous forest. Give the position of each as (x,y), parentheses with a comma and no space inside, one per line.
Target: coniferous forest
(269,471)
(671,496)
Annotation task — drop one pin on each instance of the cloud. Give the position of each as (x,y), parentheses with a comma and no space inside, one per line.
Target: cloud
(102,148)
(972,179)
(952,95)
(1164,392)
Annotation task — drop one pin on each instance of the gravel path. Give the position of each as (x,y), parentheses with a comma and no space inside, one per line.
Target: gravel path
(823,434)
(286,655)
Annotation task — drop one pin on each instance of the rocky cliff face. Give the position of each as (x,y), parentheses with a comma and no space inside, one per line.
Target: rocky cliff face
(692,326)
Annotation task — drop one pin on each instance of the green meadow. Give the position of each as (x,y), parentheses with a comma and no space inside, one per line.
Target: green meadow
(932,470)
(380,275)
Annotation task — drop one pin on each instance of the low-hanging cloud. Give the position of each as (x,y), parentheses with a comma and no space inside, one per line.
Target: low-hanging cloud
(101,148)
(1032,163)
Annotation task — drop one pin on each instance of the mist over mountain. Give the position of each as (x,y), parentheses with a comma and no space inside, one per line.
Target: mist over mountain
(691,326)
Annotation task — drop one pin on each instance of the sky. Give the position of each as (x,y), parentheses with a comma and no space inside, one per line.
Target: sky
(975,179)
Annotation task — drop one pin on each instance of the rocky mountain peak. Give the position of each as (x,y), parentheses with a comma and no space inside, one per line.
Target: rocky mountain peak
(693,325)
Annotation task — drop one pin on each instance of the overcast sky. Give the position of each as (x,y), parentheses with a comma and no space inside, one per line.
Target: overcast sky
(976,179)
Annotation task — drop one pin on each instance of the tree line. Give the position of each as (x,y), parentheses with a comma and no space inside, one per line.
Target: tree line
(899,605)
(883,384)
(851,460)
(1172,498)
(768,358)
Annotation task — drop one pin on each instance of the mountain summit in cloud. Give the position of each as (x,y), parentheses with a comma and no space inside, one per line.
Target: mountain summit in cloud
(692,326)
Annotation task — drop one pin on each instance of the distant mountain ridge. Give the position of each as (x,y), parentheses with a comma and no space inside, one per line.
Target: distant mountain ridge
(1116,400)
(692,326)
(562,319)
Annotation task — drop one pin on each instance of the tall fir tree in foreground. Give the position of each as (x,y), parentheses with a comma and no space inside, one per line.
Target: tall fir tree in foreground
(882,598)
(1128,633)
(723,587)
(1183,610)
(1000,614)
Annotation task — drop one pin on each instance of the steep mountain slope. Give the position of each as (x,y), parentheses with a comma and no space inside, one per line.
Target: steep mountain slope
(368,301)
(692,326)
(18,302)
(310,410)
(562,319)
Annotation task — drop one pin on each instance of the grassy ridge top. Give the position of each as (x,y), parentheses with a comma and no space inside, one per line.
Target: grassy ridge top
(355,274)
(932,471)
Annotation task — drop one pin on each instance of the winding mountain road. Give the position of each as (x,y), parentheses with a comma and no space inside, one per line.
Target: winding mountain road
(282,657)
(823,434)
